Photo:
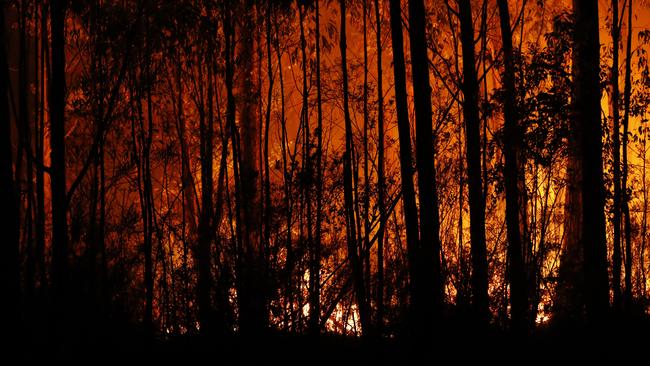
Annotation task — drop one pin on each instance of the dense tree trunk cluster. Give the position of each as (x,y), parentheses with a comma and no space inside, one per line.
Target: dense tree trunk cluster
(375,168)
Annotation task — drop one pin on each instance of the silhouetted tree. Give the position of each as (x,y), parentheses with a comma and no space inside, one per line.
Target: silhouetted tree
(351,227)
(512,136)
(429,253)
(587,116)
(9,250)
(469,87)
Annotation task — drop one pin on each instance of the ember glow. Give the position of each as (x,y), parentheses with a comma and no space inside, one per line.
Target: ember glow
(365,168)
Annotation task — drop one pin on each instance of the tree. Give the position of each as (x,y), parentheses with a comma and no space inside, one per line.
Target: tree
(469,87)
(517,274)
(416,287)
(9,250)
(57,154)
(616,152)
(381,179)
(206,227)
(351,234)
(627,92)
(587,117)
(425,157)
(252,294)
(315,266)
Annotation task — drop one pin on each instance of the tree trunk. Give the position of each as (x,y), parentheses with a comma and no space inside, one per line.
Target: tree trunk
(616,149)
(626,118)
(206,128)
(432,296)
(473,155)
(57,154)
(9,226)
(586,113)
(416,284)
(517,274)
(381,180)
(314,268)
(352,241)
(252,295)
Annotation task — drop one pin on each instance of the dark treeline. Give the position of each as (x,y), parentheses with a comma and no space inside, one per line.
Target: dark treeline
(378,168)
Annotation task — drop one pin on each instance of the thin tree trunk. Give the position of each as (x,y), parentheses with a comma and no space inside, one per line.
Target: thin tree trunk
(204,282)
(268,205)
(366,157)
(316,254)
(381,180)
(616,148)
(307,168)
(626,118)
(352,241)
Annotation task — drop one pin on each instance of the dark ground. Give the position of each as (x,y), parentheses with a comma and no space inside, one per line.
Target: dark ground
(620,342)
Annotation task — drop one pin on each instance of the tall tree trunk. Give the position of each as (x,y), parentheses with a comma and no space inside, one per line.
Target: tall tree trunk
(352,241)
(314,268)
(473,155)
(381,180)
(9,226)
(57,154)
(206,128)
(432,296)
(517,274)
(40,138)
(252,294)
(288,186)
(268,204)
(586,113)
(616,149)
(626,118)
(366,157)
(415,283)
(307,165)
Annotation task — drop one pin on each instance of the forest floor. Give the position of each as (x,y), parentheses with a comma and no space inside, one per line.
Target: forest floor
(620,341)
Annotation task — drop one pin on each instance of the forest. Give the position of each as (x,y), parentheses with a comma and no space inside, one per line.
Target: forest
(252,179)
